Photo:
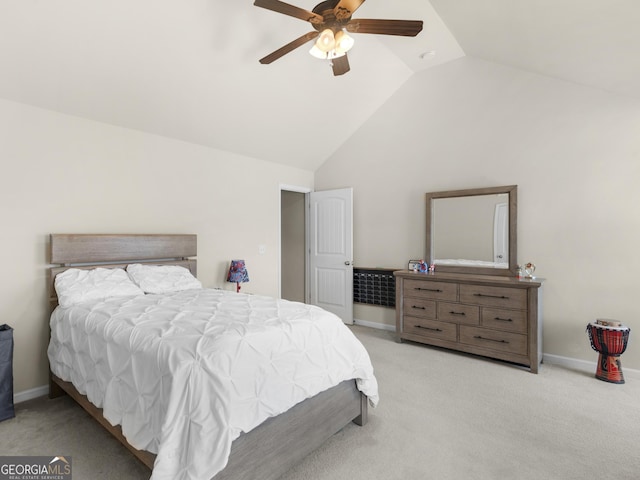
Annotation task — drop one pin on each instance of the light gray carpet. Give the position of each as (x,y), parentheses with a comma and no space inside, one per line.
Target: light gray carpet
(442,415)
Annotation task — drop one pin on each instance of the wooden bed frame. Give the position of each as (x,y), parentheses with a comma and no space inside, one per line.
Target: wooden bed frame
(265,452)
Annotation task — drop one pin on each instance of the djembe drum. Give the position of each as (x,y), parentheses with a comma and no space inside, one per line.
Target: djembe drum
(610,340)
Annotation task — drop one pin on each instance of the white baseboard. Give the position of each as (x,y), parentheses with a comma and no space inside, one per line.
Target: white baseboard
(31,394)
(379,326)
(576,364)
(572,363)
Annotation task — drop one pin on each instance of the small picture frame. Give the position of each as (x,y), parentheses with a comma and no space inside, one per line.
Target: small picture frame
(414,265)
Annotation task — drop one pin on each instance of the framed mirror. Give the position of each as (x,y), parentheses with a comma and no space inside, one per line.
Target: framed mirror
(473,231)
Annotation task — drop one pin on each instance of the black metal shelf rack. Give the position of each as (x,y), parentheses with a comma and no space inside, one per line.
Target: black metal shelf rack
(374,286)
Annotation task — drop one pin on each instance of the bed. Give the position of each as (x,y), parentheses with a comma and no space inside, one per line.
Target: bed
(252,446)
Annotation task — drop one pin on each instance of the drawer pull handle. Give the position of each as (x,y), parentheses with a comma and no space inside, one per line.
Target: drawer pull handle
(457,313)
(503,319)
(504,297)
(419,308)
(489,339)
(437,290)
(429,328)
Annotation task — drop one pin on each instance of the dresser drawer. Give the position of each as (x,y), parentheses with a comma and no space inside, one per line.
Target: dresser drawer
(430,328)
(431,290)
(505,320)
(501,297)
(458,313)
(494,340)
(419,307)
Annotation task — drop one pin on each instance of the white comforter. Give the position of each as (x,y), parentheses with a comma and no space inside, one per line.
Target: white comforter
(184,374)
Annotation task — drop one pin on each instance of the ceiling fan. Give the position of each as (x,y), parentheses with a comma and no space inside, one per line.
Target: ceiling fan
(331,20)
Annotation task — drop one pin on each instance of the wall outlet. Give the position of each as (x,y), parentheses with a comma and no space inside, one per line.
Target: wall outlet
(262,249)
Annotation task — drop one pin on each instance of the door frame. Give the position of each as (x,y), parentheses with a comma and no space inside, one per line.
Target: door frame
(306,191)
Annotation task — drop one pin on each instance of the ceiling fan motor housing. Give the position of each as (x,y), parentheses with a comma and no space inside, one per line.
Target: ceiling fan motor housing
(333,20)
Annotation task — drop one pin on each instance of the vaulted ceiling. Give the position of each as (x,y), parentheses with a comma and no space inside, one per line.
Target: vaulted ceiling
(190,71)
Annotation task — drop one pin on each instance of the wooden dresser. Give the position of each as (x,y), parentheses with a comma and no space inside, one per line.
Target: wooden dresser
(497,317)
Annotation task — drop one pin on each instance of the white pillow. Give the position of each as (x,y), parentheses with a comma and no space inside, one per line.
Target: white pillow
(77,285)
(162,278)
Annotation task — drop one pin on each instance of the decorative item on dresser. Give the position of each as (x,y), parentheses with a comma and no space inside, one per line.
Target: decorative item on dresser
(492,316)
(471,300)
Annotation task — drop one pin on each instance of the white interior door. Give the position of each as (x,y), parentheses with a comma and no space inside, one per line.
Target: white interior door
(331,251)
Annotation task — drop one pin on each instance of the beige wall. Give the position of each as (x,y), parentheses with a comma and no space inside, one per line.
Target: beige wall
(574,153)
(62,174)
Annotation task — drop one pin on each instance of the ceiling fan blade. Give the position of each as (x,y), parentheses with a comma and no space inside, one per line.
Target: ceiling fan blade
(298,42)
(345,8)
(292,11)
(340,65)
(406,28)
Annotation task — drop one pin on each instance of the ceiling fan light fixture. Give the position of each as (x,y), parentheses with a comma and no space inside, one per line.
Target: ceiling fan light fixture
(316,52)
(344,42)
(326,41)
(335,54)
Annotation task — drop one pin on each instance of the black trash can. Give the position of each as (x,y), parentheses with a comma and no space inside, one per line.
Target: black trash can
(6,373)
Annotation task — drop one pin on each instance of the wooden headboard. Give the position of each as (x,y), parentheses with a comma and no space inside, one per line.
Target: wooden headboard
(117,251)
